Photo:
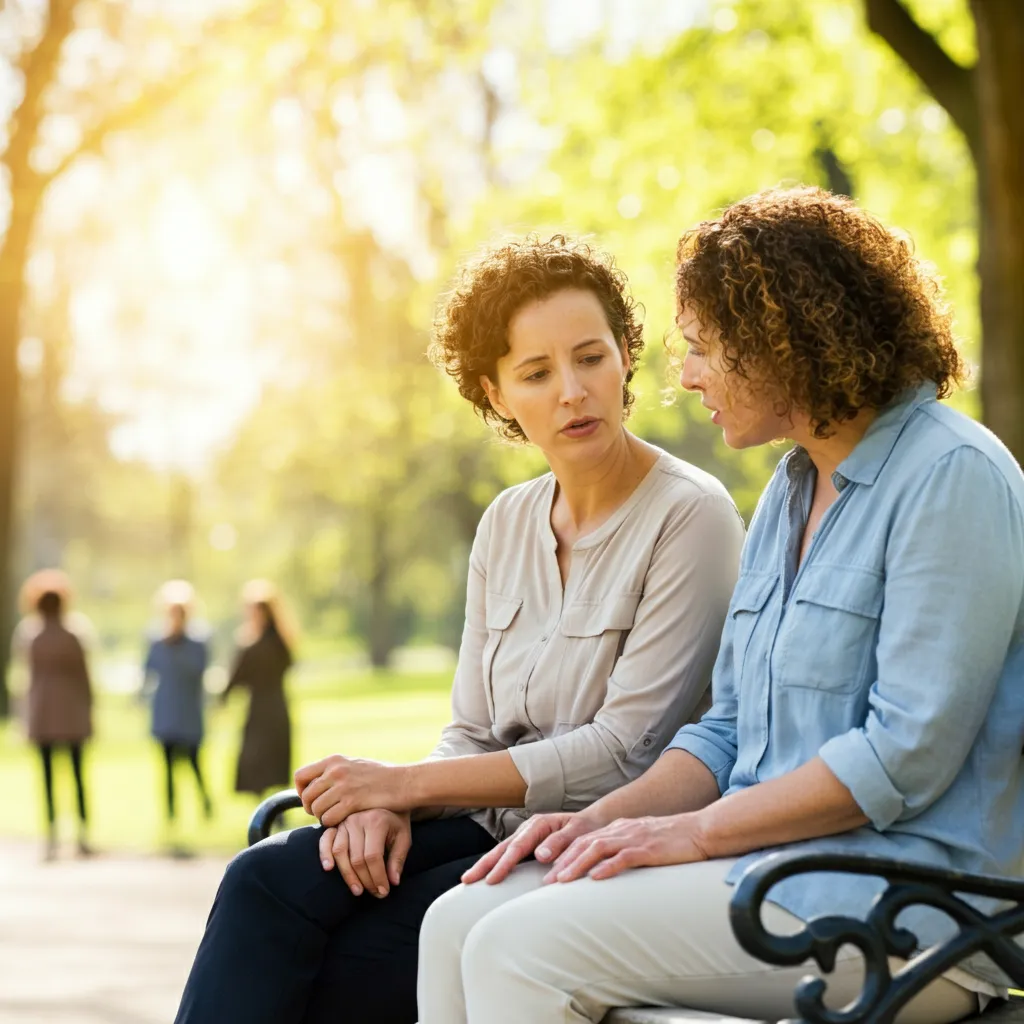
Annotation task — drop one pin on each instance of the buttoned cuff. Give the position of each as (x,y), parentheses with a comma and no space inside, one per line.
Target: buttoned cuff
(541,769)
(713,757)
(854,762)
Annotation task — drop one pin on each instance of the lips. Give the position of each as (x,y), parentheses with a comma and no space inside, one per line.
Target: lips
(580,427)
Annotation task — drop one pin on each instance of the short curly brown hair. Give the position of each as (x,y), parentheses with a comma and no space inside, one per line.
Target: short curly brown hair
(471,327)
(818,301)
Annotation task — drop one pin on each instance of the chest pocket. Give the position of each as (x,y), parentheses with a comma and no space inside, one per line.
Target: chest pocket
(748,601)
(499,612)
(830,629)
(595,633)
(592,618)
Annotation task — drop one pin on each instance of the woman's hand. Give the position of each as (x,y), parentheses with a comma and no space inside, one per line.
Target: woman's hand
(544,835)
(358,846)
(631,843)
(339,786)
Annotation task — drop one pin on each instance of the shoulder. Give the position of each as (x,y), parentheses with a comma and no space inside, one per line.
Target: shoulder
(942,438)
(682,481)
(516,504)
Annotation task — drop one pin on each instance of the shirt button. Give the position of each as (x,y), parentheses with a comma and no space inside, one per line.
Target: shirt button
(647,742)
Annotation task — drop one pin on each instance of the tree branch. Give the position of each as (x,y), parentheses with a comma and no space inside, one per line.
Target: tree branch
(39,67)
(950,83)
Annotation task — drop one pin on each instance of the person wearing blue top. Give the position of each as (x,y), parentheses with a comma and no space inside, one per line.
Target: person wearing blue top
(869,688)
(175,665)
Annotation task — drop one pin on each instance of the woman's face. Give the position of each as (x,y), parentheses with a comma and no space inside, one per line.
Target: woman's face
(561,379)
(257,617)
(746,413)
(177,616)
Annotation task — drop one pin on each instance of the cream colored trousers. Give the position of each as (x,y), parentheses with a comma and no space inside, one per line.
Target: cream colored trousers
(520,952)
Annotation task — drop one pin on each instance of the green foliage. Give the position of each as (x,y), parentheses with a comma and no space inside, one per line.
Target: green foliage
(357,480)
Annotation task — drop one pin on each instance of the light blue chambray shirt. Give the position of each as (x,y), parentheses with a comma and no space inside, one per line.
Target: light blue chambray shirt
(895,652)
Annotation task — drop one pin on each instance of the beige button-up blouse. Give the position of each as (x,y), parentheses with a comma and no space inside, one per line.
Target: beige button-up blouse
(585,687)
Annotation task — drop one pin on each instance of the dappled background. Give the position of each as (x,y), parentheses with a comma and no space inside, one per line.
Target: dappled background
(227,228)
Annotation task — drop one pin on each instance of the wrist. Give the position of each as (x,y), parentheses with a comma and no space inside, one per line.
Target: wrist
(702,826)
(410,787)
(597,816)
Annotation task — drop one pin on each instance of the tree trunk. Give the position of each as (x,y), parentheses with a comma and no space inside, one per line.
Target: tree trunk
(381,618)
(13,255)
(1000,87)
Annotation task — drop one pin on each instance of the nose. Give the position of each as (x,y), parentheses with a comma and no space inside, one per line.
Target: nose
(573,392)
(690,378)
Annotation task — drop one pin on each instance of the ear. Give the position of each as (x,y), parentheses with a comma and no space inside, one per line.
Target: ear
(626,361)
(493,393)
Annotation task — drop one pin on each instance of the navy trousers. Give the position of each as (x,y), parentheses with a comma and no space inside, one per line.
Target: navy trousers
(287,942)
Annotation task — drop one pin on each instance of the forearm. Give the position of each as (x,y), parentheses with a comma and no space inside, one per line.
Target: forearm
(802,804)
(476,780)
(676,783)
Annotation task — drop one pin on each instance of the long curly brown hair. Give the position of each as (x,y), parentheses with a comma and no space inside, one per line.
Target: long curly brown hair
(818,302)
(471,327)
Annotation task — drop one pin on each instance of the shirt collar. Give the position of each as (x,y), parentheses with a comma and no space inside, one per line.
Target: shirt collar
(865,462)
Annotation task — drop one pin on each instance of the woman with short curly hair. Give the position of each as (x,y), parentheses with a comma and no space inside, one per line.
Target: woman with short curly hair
(867,693)
(595,599)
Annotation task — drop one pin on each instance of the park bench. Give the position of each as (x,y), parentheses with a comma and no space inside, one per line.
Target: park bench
(876,937)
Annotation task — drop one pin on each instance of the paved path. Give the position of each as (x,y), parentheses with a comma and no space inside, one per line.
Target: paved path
(107,940)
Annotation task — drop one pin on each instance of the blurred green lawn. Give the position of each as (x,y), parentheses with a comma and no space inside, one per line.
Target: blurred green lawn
(392,716)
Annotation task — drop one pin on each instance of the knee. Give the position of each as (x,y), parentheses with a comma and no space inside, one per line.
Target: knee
(505,942)
(448,921)
(273,864)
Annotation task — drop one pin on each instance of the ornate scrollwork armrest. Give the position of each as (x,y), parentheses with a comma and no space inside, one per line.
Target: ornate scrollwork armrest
(877,937)
(268,812)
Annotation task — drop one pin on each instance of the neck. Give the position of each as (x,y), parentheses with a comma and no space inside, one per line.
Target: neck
(828,453)
(588,493)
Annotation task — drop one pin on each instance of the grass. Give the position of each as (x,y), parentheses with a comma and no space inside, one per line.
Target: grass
(391,716)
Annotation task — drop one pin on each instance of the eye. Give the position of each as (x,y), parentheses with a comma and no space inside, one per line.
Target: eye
(537,375)
(592,359)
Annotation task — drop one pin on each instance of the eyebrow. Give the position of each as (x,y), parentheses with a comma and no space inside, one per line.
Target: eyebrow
(541,359)
(690,340)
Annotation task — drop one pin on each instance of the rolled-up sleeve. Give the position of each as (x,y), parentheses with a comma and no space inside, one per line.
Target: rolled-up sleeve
(954,575)
(662,672)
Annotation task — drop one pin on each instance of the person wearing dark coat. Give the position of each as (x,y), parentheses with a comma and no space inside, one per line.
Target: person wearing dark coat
(265,756)
(59,705)
(177,662)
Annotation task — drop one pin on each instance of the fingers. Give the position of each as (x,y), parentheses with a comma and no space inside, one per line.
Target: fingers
(519,848)
(633,857)
(326,844)
(337,807)
(400,847)
(339,852)
(305,775)
(558,842)
(313,791)
(485,863)
(357,837)
(583,854)
(370,866)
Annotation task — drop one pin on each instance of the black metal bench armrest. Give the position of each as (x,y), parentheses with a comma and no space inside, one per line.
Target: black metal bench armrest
(877,937)
(268,812)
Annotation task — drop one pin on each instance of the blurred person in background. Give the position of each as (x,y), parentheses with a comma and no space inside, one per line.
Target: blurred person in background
(264,656)
(595,599)
(173,678)
(59,700)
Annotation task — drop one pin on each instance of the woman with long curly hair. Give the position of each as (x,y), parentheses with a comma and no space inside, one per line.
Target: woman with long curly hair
(867,693)
(595,598)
